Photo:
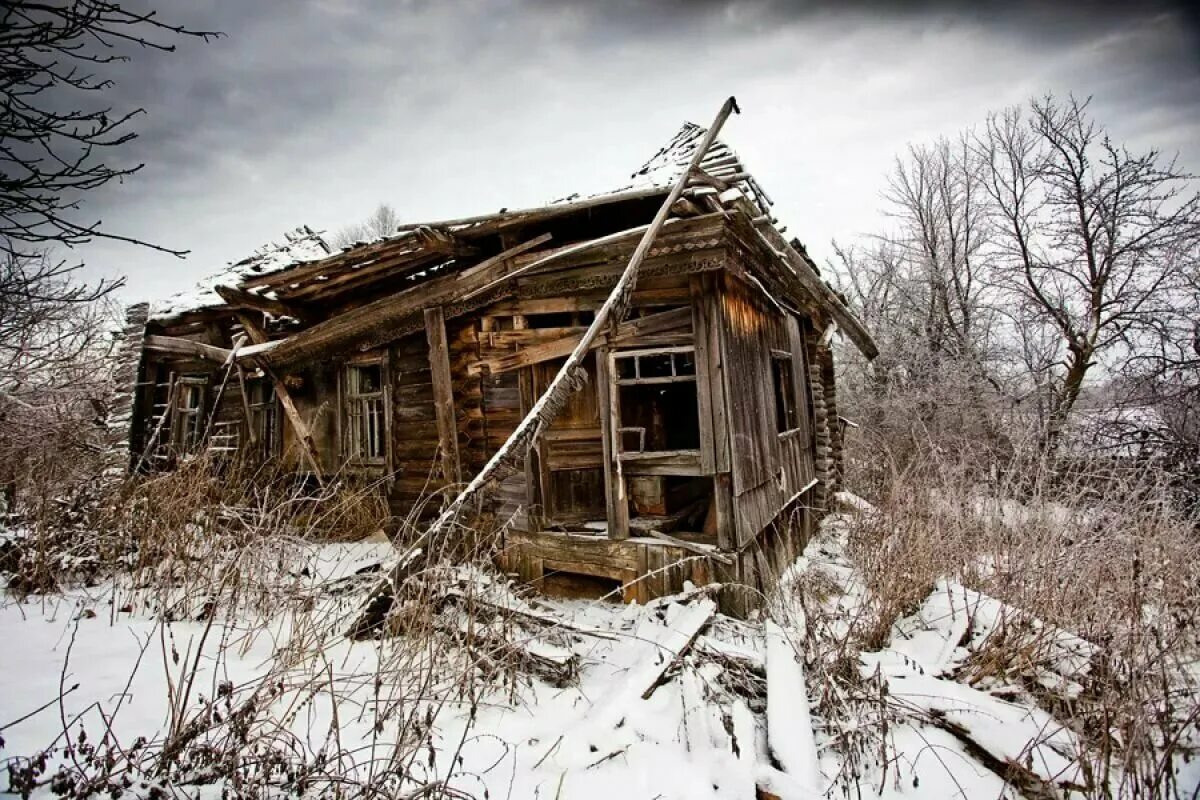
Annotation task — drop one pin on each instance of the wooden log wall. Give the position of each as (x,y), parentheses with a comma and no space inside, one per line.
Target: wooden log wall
(836,441)
(822,450)
(414,429)
(223,418)
(772,471)
(123,417)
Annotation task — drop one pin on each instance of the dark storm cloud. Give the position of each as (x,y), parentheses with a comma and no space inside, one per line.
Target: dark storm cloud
(289,66)
(314,110)
(278,67)
(1068,19)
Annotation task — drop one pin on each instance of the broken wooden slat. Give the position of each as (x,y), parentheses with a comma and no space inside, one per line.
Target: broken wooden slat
(307,446)
(500,258)
(691,547)
(675,640)
(176,346)
(443,393)
(238,298)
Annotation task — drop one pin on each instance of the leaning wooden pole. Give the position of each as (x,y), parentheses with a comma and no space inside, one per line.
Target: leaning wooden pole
(570,377)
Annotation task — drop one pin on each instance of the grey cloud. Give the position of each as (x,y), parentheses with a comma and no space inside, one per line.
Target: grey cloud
(314,110)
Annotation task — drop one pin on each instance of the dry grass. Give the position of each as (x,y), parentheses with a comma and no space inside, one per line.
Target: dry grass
(231,551)
(1095,549)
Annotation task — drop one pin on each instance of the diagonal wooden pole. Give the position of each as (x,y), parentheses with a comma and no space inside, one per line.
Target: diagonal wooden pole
(570,377)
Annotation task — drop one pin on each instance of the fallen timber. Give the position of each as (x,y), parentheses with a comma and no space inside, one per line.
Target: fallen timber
(570,378)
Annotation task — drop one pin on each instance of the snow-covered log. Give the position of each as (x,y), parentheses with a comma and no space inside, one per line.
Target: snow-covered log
(789,724)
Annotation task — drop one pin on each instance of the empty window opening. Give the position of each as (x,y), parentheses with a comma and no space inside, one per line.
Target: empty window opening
(787,416)
(658,407)
(366,439)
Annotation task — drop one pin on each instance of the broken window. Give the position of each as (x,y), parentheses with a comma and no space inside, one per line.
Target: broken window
(264,418)
(366,427)
(188,429)
(659,410)
(787,416)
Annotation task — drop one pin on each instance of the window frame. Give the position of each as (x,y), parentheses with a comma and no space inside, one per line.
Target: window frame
(264,420)
(620,430)
(188,423)
(353,451)
(783,385)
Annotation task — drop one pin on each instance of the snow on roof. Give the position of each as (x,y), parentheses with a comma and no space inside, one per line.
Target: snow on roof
(304,245)
(298,246)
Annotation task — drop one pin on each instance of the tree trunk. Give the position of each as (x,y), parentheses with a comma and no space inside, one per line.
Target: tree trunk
(1063,401)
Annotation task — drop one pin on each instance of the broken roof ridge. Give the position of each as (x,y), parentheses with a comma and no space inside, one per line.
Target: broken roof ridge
(303,245)
(300,245)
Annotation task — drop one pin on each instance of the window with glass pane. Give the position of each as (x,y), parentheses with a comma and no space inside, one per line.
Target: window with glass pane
(264,418)
(365,428)
(189,414)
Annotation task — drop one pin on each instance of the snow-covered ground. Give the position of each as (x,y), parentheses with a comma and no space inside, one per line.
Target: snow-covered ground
(670,700)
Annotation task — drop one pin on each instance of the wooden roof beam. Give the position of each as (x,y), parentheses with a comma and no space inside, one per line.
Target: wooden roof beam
(239,299)
(384,312)
(805,274)
(334,263)
(177,346)
(437,240)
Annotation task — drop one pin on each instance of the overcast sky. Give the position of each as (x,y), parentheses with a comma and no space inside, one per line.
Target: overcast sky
(314,111)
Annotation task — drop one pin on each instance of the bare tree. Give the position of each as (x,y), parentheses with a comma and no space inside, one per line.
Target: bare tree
(51,150)
(1091,239)
(57,137)
(381,224)
(924,290)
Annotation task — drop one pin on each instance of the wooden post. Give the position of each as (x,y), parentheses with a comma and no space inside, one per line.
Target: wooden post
(710,374)
(307,446)
(616,498)
(443,393)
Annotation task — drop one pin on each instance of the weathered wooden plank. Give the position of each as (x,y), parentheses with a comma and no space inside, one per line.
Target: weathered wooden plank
(509,253)
(240,299)
(628,333)
(307,445)
(173,345)
(806,276)
(443,396)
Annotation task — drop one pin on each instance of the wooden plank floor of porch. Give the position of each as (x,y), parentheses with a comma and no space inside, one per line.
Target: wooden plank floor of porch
(588,564)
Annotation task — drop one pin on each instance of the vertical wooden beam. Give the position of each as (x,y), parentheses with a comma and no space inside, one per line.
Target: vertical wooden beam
(536,477)
(443,393)
(307,446)
(616,507)
(700,327)
(708,321)
(618,521)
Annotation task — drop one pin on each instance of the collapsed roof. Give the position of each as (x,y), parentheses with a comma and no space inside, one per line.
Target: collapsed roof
(293,278)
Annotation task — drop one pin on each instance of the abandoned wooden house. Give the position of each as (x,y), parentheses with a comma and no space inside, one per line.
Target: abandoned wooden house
(702,432)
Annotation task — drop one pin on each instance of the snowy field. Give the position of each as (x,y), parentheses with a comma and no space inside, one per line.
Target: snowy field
(672,700)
